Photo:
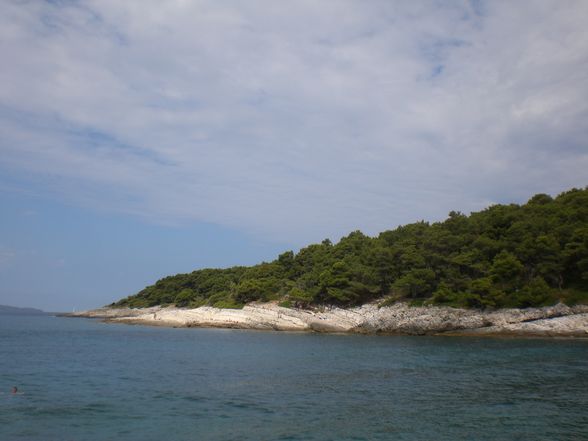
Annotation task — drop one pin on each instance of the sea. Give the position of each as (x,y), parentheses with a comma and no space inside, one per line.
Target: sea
(80,379)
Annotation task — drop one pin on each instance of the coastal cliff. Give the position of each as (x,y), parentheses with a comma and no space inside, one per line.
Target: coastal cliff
(554,321)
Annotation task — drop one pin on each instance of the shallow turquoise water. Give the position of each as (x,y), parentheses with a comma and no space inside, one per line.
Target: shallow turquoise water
(84,380)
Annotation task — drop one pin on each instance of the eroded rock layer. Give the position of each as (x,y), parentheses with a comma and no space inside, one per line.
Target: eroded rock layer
(559,320)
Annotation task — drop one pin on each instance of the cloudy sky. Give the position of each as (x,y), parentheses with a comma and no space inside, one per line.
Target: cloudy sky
(144,138)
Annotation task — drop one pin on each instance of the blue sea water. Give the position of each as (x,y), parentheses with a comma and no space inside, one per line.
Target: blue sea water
(85,380)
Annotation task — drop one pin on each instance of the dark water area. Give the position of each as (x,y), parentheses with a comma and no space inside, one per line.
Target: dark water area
(85,380)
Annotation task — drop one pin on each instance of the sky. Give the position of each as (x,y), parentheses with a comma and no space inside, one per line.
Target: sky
(145,138)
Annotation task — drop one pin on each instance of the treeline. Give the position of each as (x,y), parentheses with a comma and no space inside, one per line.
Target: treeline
(504,256)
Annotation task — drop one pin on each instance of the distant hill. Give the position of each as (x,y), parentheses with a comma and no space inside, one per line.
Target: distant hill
(13,310)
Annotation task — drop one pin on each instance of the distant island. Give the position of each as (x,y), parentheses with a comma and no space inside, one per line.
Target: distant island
(507,270)
(506,256)
(13,310)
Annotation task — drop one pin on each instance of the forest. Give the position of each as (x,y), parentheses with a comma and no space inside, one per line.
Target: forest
(513,255)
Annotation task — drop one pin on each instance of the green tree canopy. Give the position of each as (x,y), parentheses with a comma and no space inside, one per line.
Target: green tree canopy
(506,255)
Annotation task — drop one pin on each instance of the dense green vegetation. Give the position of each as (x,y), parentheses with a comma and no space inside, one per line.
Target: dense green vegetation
(504,256)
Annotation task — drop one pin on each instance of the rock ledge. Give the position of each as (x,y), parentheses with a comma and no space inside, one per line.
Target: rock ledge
(554,321)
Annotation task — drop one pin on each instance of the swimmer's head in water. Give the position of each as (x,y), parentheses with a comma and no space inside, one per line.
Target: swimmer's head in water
(14,389)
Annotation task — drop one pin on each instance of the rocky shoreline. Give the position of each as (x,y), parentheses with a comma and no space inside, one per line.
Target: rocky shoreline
(553,321)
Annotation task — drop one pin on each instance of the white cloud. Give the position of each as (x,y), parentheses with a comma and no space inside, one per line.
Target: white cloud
(306,120)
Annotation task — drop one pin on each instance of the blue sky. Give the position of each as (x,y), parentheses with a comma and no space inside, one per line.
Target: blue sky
(59,257)
(145,138)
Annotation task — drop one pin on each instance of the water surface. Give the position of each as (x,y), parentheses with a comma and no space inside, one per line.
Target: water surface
(85,380)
